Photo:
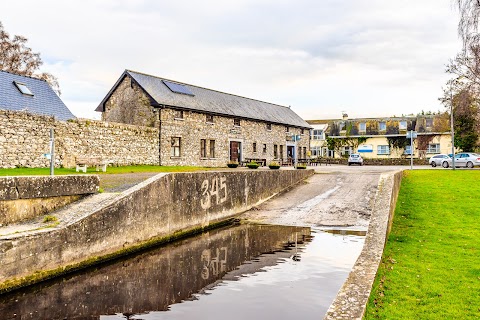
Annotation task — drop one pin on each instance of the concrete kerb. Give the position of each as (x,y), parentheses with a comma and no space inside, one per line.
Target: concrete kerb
(352,298)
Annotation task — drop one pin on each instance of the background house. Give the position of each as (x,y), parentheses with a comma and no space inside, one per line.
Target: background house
(21,93)
(205,127)
(383,137)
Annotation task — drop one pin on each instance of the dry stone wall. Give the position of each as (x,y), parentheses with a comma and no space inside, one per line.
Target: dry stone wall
(24,139)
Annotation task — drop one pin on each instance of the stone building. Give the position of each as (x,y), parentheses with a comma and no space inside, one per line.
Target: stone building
(378,138)
(204,127)
(21,93)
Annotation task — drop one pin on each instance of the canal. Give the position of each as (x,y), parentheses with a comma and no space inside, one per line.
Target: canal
(246,271)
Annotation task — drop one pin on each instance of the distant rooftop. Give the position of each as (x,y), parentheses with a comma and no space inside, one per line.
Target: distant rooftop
(22,93)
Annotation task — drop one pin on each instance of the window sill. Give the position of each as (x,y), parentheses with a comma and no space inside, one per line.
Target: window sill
(176,157)
(210,123)
(179,119)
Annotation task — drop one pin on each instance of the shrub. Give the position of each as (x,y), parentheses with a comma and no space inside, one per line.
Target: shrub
(274,165)
(252,165)
(232,164)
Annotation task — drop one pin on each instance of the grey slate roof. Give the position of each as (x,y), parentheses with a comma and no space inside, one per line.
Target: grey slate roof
(211,101)
(43,102)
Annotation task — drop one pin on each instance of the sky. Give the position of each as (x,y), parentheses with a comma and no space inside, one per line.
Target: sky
(366,58)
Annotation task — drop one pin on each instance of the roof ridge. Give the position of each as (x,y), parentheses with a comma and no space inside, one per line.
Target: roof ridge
(22,75)
(230,94)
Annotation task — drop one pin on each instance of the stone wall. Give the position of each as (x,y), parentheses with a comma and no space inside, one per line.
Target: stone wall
(23,198)
(159,208)
(193,127)
(24,139)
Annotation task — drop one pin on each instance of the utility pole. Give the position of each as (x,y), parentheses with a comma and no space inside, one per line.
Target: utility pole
(52,152)
(452,128)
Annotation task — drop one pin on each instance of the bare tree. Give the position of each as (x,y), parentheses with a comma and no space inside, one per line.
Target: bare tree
(469,20)
(16,57)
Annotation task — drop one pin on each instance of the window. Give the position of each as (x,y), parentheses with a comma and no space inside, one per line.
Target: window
(383,149)
(408,150)
(402,125)
(342,126)
(429,122)
(236,122)
(203,148)
(317,134)
(254,147)
(175,150)
(209,118)
(304,152)
(302,131)
(316,151)
(212,148)
(281,151)
(275,151)
(264,148)
(269,126)
(207,153)
(22,87)
(178,114)
(346,151)
(382,126)
(362,126)
(433,148)
(287,129)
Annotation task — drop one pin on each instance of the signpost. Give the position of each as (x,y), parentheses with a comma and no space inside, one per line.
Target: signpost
(295,139)
(412,135)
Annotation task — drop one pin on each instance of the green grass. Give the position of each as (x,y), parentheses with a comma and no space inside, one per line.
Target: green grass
(91,170)
(430,267)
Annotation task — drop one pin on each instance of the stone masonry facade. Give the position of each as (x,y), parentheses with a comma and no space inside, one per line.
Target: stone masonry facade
(24,139)
(129,104)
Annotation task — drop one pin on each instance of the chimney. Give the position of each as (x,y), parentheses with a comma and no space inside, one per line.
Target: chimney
(344,116)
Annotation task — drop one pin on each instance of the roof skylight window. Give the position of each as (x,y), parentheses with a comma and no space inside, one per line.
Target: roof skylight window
(178,88)
(22,87)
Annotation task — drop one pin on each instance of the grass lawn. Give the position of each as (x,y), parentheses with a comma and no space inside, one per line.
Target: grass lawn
(431,264)
(91,170)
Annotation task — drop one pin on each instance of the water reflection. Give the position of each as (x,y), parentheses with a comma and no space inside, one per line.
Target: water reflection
(154,280)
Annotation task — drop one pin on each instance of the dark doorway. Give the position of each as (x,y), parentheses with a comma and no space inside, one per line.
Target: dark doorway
(235,151)
(290,152)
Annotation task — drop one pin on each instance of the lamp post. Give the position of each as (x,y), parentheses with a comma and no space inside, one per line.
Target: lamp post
(452,132)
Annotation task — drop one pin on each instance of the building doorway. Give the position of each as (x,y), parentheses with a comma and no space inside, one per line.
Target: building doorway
(290,154)
(235,151)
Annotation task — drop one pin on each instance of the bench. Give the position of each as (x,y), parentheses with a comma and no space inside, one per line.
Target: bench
(83,162)
(261,162)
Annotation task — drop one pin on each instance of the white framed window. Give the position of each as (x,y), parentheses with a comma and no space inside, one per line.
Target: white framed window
(316,151)
(433,148)
(383,149)
(346,151)
(269,126)
(408,150)
(236,122)
(402,125)
(175,146)
(362,126)
(209,118)
(382,126)
(317,134)
(429,122)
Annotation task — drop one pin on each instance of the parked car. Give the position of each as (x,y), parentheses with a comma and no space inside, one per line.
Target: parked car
(355,158)
(437,160)
(463,159)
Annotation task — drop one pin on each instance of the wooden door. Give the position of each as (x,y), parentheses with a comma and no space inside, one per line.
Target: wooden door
(235,151)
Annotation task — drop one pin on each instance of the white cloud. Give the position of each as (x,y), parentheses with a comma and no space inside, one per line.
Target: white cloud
(366,57)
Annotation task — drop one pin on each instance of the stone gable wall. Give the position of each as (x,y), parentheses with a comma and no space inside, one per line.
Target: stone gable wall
(24,138)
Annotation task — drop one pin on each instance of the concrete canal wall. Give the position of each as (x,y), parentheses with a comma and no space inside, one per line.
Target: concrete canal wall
(23,198)
(351,300)
(106,226)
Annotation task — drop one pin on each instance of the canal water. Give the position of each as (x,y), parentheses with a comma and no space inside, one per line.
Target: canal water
(246,271)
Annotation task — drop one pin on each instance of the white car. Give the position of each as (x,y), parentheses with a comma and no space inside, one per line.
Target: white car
(463,159)
(355,158)
(438,159)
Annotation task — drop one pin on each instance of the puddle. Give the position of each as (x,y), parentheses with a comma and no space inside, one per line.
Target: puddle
(246,271)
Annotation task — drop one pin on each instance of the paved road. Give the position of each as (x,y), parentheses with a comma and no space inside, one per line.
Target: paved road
(337,196)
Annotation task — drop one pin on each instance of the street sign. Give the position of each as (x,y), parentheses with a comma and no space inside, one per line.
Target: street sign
(411,134)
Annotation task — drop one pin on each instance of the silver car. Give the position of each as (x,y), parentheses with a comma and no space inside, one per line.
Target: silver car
(463,159)
(355,158)
(437,160)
